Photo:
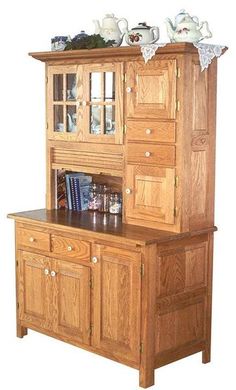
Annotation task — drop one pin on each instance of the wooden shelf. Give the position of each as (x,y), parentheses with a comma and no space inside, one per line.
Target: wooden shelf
(94,222)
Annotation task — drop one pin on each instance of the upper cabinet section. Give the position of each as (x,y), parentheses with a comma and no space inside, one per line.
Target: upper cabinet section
(151,89)
(85,103)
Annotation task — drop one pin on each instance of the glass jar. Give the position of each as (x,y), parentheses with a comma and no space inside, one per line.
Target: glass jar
(115,204)
(103,199)
(94,191)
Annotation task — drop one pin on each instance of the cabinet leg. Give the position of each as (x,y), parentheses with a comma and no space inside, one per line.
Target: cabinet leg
(146,377)
(21,331)
(206,355)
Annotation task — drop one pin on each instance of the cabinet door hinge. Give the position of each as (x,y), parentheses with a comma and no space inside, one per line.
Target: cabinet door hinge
(91,283)
(91,329)
(124,129)
(177,105)
(17,305)
(141,347)
(47,125)
(176,181)
(17,263)
(124,78)
(46,79)
(175,211)
(142,269)
(178,72)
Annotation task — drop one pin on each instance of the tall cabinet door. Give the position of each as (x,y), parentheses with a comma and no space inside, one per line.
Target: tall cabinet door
(117,302)
(71,300)
(150,193)
(34,289)
(151,89)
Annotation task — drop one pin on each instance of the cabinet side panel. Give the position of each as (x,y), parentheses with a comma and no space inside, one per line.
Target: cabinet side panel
(202,159)
(181,297)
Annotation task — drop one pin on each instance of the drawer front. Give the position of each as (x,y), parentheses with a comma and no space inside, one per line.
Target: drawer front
(33,239)
(151,131)
(151,154)
(69,247)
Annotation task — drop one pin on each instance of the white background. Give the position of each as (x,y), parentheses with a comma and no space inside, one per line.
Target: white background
(40,362)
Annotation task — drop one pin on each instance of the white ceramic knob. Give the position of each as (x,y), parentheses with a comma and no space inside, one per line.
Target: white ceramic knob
(148,131)
(31,239)
(128,89)
(46,271)
(94,259)
(128,191)
(69,248)
(147,154)
(53,273)
(84,103)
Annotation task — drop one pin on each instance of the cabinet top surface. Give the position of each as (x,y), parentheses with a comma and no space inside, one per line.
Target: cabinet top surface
(85,221)
(110,52)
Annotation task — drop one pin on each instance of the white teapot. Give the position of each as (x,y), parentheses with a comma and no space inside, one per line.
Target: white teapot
(142,35)
(187,28)
(110,28)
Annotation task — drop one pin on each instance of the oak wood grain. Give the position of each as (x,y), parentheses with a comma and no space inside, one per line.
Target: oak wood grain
(150,131)
(151,154)
(33,239)
(107,53)
(70,247)
(85,224)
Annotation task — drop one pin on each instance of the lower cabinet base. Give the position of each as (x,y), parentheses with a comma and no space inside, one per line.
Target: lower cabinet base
(144,305)
(146,375)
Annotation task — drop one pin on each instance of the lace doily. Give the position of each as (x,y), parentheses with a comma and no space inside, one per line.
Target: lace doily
(206,52)
(148,51)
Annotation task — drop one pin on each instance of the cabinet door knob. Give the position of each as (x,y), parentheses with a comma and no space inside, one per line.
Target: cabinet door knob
(31,239)
(147,154)
(128,191)
(94,259)
(148,131)
(84,103)
(53,274)
(128,89)
(46,271)
(69,248)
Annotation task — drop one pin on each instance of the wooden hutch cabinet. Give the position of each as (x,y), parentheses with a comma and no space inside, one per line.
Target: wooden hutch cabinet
(134,288)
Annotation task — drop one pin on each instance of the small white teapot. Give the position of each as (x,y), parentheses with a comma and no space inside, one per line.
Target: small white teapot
(187,28)
(110,28)
(142,35)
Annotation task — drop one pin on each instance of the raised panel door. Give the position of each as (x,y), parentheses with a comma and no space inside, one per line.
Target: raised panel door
(151,89)
(150,193)
(34,289)
(71,300)
(117,302)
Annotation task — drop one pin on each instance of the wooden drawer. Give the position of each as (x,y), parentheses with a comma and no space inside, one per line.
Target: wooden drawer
(33,239)
(70,247)
(151,154)
(151,131)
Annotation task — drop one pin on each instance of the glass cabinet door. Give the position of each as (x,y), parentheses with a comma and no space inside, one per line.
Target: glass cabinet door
(102,101)
(63,102)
